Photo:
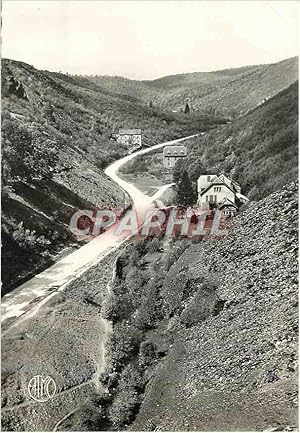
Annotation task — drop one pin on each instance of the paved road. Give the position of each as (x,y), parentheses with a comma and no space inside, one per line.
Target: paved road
(18,304)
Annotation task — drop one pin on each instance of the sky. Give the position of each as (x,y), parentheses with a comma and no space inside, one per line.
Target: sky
(147,39)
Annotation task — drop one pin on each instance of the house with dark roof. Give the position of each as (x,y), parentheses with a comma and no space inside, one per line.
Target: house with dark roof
(219,191)
(228,207)
(171,154)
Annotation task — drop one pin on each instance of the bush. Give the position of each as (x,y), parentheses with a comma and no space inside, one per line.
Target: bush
(125,342)
(124,407)
(200,307)
(154,245)
(148,353)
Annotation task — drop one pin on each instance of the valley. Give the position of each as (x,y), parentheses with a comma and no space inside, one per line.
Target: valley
(57,142)
(230,92)
(149,334)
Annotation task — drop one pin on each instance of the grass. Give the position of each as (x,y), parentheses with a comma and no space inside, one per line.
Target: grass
(145,182)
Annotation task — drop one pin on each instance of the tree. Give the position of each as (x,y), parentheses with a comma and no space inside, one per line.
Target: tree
(186,195)
(195,169)
(187,108)
(178,170)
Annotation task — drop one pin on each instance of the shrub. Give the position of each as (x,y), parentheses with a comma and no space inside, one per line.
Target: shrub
(148,353)
(200,307)
(154,245)
(124,407)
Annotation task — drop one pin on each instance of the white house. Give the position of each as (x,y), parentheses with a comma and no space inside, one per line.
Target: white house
(129,137)
(171,154)
(219,191)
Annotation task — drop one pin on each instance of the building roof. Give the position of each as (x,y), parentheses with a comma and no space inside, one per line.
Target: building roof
(227,202)
(229,181)
(130,131)
(205,190)
(221,180)
(175,151)
(242,197)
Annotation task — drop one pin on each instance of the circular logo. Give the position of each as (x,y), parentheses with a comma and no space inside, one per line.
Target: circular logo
(41,388)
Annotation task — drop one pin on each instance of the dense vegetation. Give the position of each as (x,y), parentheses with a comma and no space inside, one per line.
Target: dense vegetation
(260,150)
(136,308)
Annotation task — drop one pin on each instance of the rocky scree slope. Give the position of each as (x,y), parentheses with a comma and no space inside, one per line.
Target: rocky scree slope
(205,334)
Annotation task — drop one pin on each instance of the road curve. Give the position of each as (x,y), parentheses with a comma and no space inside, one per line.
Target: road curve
(47,283)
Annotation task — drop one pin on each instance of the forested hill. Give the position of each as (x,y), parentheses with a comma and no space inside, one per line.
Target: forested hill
(86,114)
(230,92)
(260,150)
(56,140)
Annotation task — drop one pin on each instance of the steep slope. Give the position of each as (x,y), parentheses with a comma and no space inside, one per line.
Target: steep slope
(227,92)
(45,176)
(205,335)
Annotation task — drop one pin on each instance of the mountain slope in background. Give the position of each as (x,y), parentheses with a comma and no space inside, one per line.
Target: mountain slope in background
(230,92)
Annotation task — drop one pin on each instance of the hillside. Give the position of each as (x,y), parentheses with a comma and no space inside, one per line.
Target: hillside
(202,336)
(205,335)
(230,92)
(56,140)
(259,150)
(45,176)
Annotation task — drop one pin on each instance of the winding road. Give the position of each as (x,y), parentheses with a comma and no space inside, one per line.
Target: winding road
(26,300)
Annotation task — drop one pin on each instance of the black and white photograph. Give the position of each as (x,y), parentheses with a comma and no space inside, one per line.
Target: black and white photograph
(149,212)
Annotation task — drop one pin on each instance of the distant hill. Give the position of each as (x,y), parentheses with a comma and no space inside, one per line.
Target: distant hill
(229,92)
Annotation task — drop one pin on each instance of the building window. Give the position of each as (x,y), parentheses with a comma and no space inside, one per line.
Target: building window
(211,198)
(217,189)
(208,178)
(215,198)
(207,198)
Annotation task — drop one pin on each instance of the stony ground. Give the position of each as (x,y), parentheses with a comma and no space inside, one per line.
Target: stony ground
(233,309)
(203,336)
